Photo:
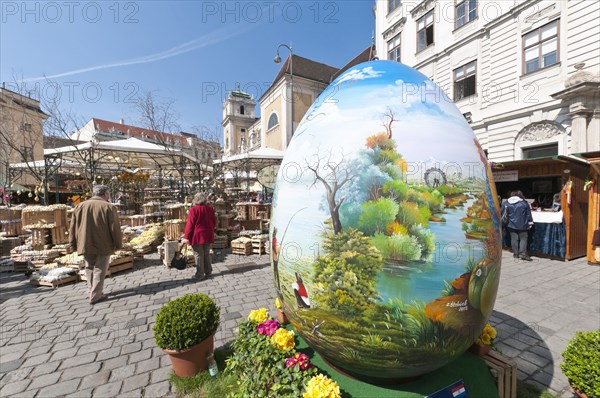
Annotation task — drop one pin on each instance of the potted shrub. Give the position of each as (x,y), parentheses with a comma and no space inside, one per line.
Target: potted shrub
(485,341)
(581,364)
(185,329)
(281,317)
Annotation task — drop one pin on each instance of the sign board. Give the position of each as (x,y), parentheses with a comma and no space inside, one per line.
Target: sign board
(268,175)
(455,390)
(508,175)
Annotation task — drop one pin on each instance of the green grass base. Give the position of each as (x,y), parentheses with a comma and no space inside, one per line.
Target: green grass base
(471,368)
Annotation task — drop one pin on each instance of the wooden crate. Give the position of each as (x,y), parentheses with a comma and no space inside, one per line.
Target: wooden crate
(116,266)
(12,227)
(258,245)
(242,251)
(176,213)
(9,214)
(60,235)
(21,266)
(57,283)
(251,225)
(44,215)
(136,221)
(220,242)
(505,372)
(151,208)
(243,248)
(221,206)
(40,237)
(174,230)
(242,211)
(225,220)
(7,244)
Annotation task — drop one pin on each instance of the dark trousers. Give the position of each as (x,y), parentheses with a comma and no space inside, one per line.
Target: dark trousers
(518,242)
(202,258)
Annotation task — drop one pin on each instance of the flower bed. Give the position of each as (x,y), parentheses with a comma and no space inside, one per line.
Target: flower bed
(258,365)
(265,363)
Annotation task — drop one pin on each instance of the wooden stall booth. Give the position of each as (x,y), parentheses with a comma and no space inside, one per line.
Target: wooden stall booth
(554,187)
(593,189)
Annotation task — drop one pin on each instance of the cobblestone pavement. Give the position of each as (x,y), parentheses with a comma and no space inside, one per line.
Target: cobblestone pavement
(52,343)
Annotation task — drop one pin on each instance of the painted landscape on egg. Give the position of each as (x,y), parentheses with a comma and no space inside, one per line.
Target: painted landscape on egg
(387,226)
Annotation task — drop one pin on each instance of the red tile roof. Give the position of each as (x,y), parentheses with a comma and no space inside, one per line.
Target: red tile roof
(106,126)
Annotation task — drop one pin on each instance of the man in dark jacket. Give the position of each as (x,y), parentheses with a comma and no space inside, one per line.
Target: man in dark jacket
(95,233)
(519,222)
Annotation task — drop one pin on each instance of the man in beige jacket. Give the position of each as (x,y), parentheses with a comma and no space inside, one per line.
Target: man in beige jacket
(95,233)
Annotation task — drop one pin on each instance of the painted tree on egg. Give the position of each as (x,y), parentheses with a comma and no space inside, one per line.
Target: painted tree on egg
(333,175)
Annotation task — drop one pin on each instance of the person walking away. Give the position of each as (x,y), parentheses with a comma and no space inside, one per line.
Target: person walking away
(275,255)
(95,233)
(200,233)
(519,223)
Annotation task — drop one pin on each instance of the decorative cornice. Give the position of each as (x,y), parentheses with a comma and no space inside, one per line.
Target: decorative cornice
(540,131)
(420,9)
(533,18)
(394,29)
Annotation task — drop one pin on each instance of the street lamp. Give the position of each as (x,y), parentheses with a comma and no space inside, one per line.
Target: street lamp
(277,60)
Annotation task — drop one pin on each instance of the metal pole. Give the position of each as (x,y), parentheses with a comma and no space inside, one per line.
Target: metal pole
(45,181)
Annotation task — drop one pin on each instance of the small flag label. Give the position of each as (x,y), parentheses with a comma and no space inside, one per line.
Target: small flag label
(455,390)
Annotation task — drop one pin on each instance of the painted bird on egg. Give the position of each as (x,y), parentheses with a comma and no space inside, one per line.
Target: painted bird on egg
(386,214)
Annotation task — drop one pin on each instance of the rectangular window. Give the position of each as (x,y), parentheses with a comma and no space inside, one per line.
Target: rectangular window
(26,153)
(465,12)
(465,81)
(26,127)
(392,5)
(425,31)
(540,47)
(540,151)
(394,49)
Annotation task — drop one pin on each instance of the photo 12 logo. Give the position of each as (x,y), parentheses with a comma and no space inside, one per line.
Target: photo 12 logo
(69,11)
(71,92)
(270,11)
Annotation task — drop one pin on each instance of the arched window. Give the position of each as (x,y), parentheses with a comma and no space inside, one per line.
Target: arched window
(241,109)
(273,121)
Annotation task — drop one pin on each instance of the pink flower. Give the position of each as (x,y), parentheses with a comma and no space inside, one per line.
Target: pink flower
(299,359)
(268,327)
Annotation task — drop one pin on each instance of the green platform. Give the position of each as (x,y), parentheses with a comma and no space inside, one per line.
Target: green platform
(469,367)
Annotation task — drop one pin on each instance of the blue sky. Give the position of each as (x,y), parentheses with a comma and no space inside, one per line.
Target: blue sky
(190,51)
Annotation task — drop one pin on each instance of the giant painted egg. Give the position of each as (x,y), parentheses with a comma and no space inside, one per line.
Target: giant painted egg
(385,229)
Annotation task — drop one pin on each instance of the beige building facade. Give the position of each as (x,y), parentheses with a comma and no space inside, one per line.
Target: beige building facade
(21,134)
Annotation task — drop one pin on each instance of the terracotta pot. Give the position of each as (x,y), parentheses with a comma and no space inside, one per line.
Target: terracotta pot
(191,361)
(281,317)
(579,393)
(480,350)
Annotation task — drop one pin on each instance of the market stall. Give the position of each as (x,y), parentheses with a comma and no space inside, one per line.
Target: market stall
(591,186)
(554,188)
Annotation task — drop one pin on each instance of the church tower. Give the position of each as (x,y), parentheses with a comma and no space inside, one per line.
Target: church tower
(238,116)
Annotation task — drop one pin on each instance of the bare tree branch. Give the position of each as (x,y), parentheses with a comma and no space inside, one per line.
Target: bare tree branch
(389,119)
(339,175)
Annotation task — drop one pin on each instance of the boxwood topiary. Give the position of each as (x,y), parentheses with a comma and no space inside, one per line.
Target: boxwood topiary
(581,363)
(186,321)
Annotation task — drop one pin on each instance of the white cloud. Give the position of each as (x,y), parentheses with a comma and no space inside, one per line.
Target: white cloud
(356,74)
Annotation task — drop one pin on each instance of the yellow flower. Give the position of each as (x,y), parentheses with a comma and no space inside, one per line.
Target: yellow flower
(486,339)
(283,339)
(489,329)
(259,316)
(322,387)
(278,303)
